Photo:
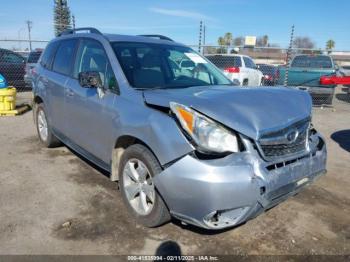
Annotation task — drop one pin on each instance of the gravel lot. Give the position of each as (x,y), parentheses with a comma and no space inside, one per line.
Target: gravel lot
(53,202)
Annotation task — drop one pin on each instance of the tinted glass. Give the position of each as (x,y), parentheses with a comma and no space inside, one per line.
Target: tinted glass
(225,61)
(266,69)
(64,56)
(34,57)
(149,65)
(9,57)
(249,63)
(312,61)
(48,54)
(91,56)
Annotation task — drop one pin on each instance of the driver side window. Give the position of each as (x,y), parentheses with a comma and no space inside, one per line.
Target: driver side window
(91,56)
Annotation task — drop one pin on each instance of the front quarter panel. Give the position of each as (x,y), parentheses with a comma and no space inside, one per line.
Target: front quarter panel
(156,129)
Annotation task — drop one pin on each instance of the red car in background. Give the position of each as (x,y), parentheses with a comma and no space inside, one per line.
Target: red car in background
(270,74)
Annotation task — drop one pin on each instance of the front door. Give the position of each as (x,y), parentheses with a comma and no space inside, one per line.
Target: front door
(91,110)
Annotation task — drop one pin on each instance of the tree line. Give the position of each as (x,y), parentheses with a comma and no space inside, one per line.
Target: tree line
(227,43)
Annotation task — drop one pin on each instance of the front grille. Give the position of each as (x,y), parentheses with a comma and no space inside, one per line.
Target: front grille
(285,142)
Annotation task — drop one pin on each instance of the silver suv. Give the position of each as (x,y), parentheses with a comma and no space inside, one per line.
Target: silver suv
(181,141)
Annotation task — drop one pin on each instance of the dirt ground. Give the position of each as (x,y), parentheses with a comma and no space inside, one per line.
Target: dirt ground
(53,202)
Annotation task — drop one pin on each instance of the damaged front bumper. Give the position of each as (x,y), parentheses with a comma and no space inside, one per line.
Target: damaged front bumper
(220,193)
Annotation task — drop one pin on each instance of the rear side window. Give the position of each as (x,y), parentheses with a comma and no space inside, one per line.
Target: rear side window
(33,57)
(225,61)
(64,57)
(46,59)
(249,63)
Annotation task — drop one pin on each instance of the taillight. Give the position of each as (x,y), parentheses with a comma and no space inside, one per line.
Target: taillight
(232,69)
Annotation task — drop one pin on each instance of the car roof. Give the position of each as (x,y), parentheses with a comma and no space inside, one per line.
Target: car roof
(228,55)
(120,38)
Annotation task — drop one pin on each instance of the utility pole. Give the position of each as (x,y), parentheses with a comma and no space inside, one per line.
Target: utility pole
(29,25)
(204,33)
(200,36)
(289,53)
(73,21)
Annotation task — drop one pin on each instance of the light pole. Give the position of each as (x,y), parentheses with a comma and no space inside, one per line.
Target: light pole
(19,38)
(29,25)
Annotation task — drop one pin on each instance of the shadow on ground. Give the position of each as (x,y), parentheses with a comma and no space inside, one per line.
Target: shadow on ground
(343,97)
(342,137)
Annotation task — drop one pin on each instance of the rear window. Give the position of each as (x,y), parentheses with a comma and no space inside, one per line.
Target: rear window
(312,61)
(225,61)
(64,57)
(266,69)
(34,57)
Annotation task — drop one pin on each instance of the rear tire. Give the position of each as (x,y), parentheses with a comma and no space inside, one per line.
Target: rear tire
(137,168)
(245,82)
(46,137)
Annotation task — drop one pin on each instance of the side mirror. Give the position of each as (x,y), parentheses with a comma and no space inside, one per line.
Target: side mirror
(336,67)
(90,79)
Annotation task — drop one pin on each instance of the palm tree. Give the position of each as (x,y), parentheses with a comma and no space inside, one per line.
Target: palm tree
(330,44)
(265,40)
(221,41)
(228,39)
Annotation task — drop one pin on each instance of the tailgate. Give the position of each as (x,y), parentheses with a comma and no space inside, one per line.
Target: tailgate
(308,77)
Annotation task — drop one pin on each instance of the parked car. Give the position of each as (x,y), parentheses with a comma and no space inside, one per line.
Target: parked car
(345,71)
(30,65)
(305,73)
(238,67)
(12,68)
(270,74)
(197,149)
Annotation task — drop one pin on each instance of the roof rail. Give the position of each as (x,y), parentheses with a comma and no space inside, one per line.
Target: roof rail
(162,37)
(73,31)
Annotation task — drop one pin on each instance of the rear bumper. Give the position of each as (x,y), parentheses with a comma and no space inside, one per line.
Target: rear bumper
(216,194)
(319,90)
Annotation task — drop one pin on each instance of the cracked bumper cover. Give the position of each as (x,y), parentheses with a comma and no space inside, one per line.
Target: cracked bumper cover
(225,192)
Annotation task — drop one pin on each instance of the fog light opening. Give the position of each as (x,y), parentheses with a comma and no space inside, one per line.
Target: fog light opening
(225,218)
(262,190)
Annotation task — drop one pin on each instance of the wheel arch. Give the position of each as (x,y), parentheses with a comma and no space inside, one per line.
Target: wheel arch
(122,143)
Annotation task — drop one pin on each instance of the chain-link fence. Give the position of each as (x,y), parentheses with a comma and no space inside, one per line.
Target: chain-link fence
(269,66)
(263,66)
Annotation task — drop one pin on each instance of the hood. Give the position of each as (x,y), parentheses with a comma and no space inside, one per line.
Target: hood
(249,111)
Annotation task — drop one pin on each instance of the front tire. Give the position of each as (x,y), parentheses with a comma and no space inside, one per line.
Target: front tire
(46,137)
(137,168)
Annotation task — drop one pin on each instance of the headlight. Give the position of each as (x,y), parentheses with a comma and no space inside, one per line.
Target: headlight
(208,135)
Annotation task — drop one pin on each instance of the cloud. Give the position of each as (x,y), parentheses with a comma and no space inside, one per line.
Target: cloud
(181,13)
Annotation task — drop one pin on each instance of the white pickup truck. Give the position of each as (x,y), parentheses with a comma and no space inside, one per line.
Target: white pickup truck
(239,68)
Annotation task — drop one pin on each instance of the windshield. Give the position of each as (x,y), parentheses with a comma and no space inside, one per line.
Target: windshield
(148,65)
(312,61)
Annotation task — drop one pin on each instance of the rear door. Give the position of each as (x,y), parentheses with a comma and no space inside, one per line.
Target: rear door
(56,80)
(90,111)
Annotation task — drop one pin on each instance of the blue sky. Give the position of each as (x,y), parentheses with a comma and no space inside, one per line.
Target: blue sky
(318,19)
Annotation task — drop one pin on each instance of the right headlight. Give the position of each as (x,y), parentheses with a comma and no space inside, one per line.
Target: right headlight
(208,135)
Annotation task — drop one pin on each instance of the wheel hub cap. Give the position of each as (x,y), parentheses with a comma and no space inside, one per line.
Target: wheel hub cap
(138,186)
